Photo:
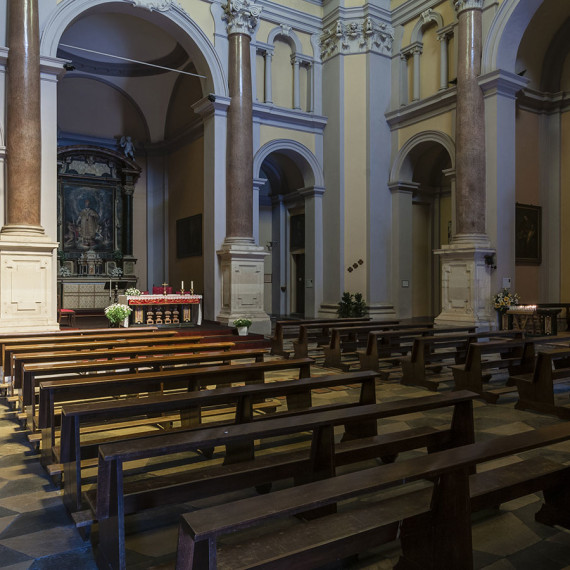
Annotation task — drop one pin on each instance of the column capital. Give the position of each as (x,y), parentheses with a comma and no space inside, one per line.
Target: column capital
(242,16)
(462,5)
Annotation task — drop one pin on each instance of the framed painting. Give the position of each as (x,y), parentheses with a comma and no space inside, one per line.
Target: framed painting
(528,234)
(189,236)
(88,217)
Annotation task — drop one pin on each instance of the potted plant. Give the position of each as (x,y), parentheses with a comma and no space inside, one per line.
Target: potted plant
(242,325)
(502,302)
(117,314)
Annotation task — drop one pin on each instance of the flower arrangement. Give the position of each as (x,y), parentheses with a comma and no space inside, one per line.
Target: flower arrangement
(116,272)
(64,271)
(242,322)
(132,292)
(504,299)
(117,313)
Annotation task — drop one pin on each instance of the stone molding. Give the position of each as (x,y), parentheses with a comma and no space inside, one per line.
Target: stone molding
(462,5)
(356,36)
(150,5)
(242,17)
(502,82)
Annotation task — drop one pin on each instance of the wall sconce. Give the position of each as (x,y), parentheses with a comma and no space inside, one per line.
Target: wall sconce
(271,244)
(490,261)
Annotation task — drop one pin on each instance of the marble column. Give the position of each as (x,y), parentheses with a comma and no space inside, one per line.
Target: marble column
(23,126)
(241,259)
(470,122)
(466,278)
(27,255)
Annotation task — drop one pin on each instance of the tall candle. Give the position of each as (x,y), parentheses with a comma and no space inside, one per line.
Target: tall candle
(182,286)
(192,285)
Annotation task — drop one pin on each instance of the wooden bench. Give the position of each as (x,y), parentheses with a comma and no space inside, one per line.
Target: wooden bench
(115,498)
(433,523)
(292,326)
(344,340)
(387,347)
(100,386)
(82,346)
(536,388)
(35,373)
(429,353)
(485,358)
(118,355)
(189,406)
(307,331)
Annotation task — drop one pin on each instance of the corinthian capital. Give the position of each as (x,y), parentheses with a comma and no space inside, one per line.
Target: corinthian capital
(242,16)
(461,5)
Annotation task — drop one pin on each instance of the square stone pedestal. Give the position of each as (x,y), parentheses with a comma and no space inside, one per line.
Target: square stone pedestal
(242,284)
(466,286)
(28,300)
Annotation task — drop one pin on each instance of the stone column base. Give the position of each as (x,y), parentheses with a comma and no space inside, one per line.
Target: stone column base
(28,300)
(242,284)
(466,285)
(376,311)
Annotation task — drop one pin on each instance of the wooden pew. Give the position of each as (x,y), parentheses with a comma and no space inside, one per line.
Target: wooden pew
(293,326)
(189,406)
(516,355)
(115,498)
(345,340)
(429,352)
(66,336)
(15,352)
(301,343)
(389,347)
(536,389)
(433,524)
(189,379)
(35,373)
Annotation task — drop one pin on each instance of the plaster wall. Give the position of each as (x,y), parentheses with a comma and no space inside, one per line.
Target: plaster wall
(421,260)
(186,198)
(565,207)
(430,63)
(265,233)
(140,230)
(355,181)
(282,75)
(444,123)
(444,218)
(268,133)
(200,12)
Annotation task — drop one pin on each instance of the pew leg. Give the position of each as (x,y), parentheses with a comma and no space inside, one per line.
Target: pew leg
(111,548)
(192,555)
(556,507)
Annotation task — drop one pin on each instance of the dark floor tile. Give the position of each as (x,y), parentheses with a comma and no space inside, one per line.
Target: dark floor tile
(9,557)
(483,559)
(75,560)
(36,521)
(545,555)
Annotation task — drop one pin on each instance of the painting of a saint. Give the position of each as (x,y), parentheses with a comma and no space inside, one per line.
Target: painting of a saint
(88,218)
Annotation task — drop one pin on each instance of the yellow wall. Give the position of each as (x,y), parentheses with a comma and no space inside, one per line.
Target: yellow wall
(260,78)
(442,123)
(268,134)
(186,198)
(527,192)
(355,203)
(444,219)
(565,209)
(430,63)
(282,75)
(200,13)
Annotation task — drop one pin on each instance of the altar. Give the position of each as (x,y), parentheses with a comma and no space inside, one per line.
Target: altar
(532,319)
(167,310)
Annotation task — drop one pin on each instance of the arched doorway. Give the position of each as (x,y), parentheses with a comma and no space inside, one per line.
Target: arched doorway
(422,194)
(290,227)
(102,99)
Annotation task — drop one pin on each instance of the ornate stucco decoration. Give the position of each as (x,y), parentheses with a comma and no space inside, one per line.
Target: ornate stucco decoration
(357,37)
(461,5)
(150,5)
(242,16)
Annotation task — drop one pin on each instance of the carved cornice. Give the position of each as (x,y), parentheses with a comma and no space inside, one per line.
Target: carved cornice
(150,5)
(242,16)
(462,5)
(356,37)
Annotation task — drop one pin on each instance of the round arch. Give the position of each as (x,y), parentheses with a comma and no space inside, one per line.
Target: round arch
(505,34)
(289,36)
(402,167)
(175,20)
(428,17)
(308,164)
